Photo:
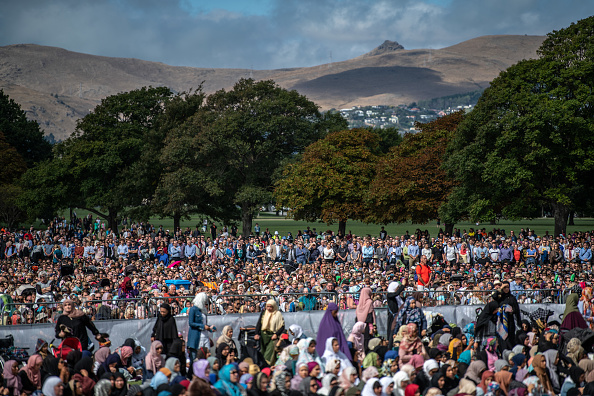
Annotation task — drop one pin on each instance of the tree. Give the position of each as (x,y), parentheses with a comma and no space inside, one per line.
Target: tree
(390,137)
(12,166)
(99,167)
(246,133)
(183,189)
(22,134)
(330,179)
(410,184)
(530,139)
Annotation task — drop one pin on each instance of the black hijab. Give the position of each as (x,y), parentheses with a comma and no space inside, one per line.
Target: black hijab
(450,383)
(49,367)
(176,350)
(165,326)
(124,390)
(219,353)
(435,381)
(485,316)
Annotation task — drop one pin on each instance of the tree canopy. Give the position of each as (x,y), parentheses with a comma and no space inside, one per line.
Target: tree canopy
(410,184)
(530,138)
(330,179)
(22,134)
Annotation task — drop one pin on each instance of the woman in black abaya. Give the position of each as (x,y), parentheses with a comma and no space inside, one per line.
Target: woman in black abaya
(165,329)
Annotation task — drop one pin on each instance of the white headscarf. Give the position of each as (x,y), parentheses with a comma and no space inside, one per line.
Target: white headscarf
(49,384)
(330,355)
(200,301)
(368,388)
(393,286)
(386,381)
(430,365)
(398,378)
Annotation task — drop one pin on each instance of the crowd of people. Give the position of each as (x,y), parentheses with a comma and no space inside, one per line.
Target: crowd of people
(498,354)
(129,274)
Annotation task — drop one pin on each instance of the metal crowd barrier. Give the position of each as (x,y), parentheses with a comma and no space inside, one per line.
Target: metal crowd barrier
(221,304)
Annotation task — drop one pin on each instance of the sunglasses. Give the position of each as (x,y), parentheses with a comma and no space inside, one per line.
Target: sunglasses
(234,372)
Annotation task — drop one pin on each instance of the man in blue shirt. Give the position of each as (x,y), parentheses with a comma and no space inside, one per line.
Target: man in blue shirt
(586,253)
(413,252)
(190,250)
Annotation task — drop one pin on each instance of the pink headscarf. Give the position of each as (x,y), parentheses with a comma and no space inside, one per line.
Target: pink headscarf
(12,381)
(125,353)
(365,305)
(154,360)
(32,373)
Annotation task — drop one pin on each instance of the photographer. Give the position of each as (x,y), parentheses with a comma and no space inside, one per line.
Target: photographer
(74,323)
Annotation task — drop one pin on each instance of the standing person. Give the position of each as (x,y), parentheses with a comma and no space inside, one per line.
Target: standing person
(330,327)
(74,323)
(198,335)
(165,328)
(508,316)
(394,302)
(271,325)
(423,272)
(572,318)
(365,313)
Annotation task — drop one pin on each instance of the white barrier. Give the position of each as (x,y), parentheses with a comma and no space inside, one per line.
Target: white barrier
(119,330)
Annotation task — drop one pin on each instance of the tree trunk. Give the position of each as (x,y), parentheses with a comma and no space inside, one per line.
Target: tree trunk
(449,228)
(342,228)
(571,216)
(561,212)
(176,222)
(246,220)
(112,220)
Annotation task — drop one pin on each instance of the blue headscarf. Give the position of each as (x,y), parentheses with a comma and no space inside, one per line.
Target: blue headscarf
(224,384)
(159,379)
(465,357)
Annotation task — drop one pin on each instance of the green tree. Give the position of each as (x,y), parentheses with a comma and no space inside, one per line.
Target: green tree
(99,167)
(530,139)
(12,166)
(390,137)
(410,184)
(329,181)
(22,134)
(245,134)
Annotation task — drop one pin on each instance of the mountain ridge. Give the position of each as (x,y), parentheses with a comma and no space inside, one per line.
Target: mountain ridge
(56,87)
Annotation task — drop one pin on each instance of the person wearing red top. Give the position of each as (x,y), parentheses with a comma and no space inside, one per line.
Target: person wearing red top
(423,274)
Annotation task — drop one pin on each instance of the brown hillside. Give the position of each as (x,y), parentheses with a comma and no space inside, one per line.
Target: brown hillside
(56,87)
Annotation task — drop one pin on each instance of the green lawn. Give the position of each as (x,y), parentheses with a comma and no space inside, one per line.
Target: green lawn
(284,225)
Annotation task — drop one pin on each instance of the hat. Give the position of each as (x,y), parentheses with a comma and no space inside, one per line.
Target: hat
(40,344)
(254,369)
(497,282)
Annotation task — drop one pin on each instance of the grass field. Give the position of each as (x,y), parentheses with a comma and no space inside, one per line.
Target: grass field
(284,225)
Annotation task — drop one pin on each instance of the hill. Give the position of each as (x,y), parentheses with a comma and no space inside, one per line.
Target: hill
(56,87)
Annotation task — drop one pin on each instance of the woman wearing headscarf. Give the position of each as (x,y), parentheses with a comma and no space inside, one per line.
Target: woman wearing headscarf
(348,378)
(154,359)
(486,378)
(450,379)
(539,363)
(394,302)
(438,381)
(411,344)
(410,313)
(11,378)
(365,313)
(109,365)
(575,380)
(518,371)
(330,327)
(74,323)
(357,339)
(259,385)
(282,384)
(222,353)
(504,378)
(225,337)
(327,384)
(572,318)
(120,387)
(309,386)
(30,375)
(269,328)
(467,388)
(387,386)
(475,371)
(173,364)
(198,330)
(53,386)
(371,387)
(165,328)
(176,350)
(333,351)
(308,353)
(507,316)
(486,321)
(401,380)
(84,375)
(588,366)
(127,290)
(412,390)
(296,333)
(552,358)
(301,373)
(575,351)
(228,383)
(424,377)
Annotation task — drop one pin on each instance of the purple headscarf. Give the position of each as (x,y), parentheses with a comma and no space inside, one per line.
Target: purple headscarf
(330,327)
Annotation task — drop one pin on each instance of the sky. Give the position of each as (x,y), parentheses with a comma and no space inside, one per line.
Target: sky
(270,34)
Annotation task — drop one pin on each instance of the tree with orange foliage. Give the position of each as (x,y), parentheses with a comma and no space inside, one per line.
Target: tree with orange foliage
(410,184)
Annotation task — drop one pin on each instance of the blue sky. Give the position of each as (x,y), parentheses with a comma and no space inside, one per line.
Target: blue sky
(270,34)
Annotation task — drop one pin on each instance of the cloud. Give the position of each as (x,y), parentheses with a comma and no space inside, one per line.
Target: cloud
(274,33)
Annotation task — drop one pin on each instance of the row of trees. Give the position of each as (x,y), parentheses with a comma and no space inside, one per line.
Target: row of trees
(528,143)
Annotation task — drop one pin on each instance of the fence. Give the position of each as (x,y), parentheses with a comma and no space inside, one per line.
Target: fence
(222,304)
